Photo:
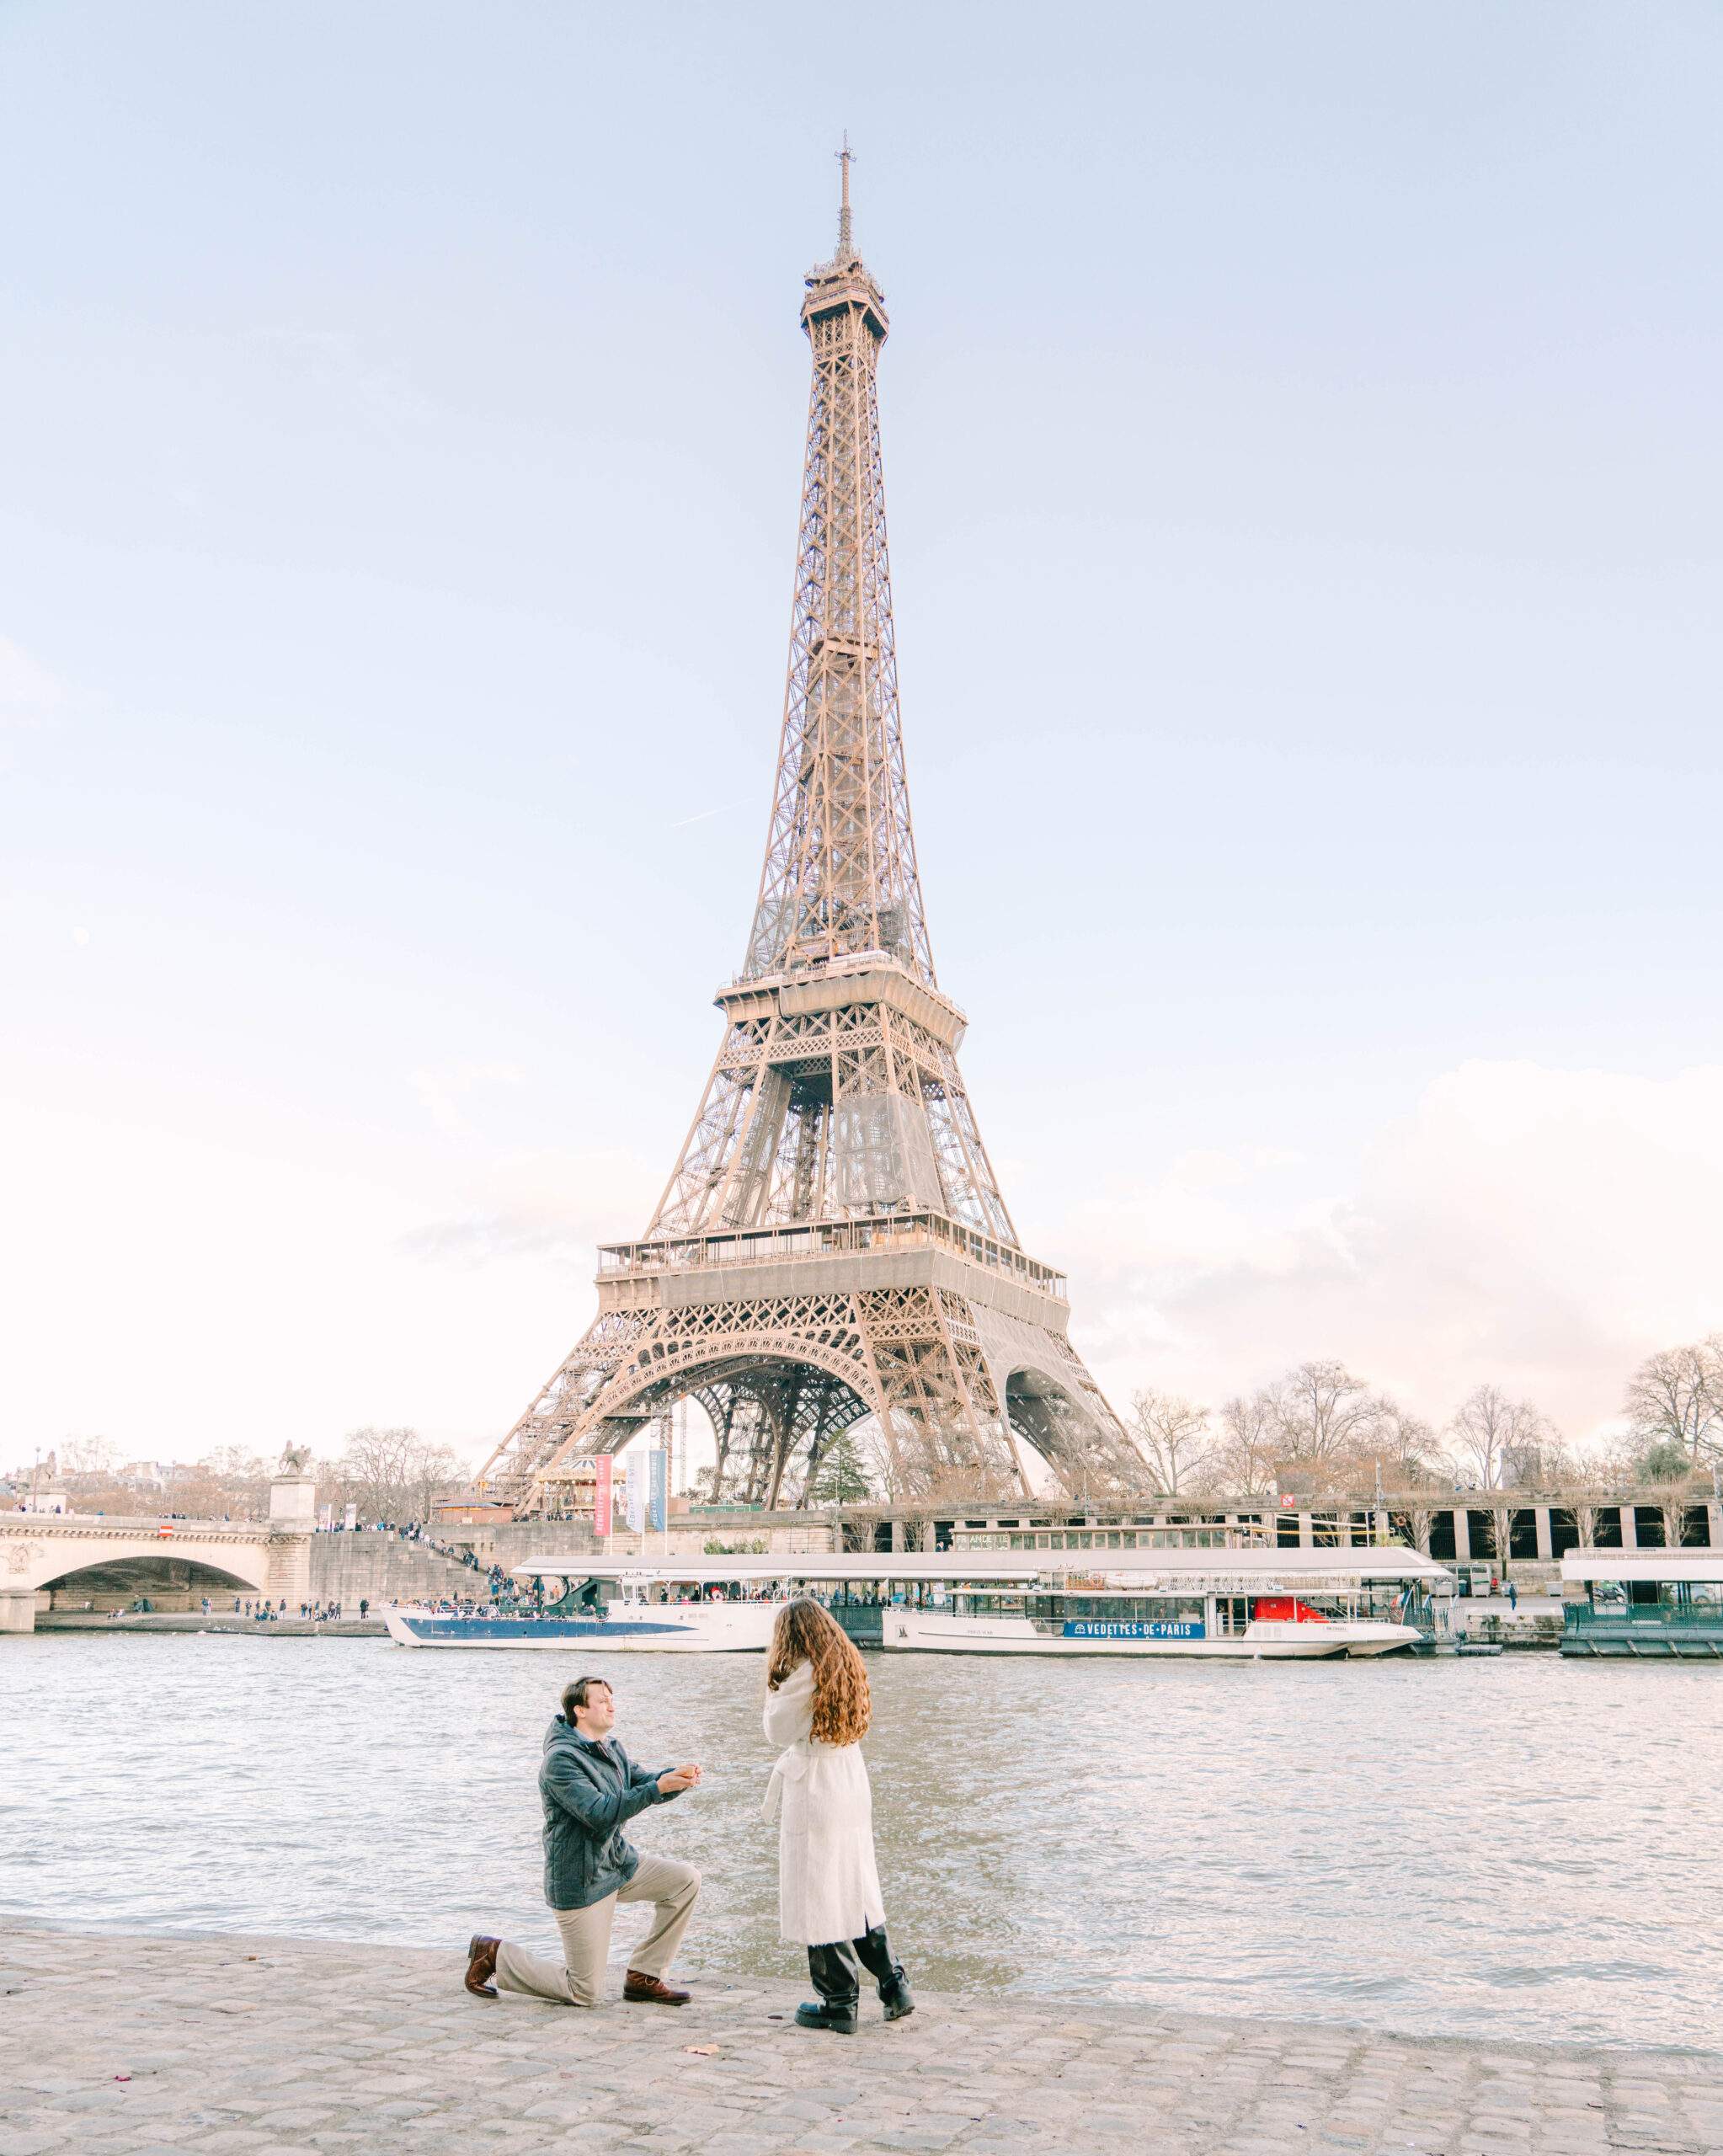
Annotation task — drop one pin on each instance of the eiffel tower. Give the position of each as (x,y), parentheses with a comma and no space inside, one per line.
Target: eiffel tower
(833,1245)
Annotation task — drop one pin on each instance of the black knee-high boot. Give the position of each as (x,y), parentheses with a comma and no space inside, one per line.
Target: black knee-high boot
(837,1981)
(873,1951)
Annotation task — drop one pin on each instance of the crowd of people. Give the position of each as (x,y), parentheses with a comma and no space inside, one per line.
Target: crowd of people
(265,1611)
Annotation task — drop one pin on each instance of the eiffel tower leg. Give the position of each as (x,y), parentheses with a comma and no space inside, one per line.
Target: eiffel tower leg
(785,1429)
(543,1434)
(944,1425)
(1054,1406)
(719,1403)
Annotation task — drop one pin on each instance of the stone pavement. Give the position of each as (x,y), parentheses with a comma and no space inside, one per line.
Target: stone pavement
(259,2046)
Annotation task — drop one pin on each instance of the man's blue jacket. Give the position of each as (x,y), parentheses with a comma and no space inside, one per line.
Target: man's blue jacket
(589,1789)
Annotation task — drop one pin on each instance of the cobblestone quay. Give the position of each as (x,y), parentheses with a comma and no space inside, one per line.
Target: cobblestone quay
(255,2046)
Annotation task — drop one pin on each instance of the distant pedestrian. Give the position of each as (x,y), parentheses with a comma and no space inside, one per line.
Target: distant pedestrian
(590,1788)
(1512,1596)
(364,1605)
(817,1707)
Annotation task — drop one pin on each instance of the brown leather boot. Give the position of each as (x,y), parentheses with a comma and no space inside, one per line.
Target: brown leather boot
(653,1990)
(482,1965)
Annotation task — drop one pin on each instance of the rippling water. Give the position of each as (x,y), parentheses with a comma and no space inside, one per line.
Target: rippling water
(1520,1847)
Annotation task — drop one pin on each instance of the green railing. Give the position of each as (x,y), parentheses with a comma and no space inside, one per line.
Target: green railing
(1651,1616)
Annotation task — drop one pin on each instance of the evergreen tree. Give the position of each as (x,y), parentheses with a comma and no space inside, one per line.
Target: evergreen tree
(842,1478)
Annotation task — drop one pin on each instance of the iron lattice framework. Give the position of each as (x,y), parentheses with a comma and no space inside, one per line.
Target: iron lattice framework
(833,1245)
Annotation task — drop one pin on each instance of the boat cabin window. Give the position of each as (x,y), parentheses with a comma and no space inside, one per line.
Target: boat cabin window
(1656,1594)
(1128,1609)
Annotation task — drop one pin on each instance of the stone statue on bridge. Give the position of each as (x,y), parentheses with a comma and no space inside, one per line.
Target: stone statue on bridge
(295,1459)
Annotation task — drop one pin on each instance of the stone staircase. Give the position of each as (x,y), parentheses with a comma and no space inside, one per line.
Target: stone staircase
(381,1568)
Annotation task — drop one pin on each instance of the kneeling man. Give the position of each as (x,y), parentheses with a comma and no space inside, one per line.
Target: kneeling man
(589,1785)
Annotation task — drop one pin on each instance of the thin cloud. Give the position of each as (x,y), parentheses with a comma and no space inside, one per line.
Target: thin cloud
(29,695)
(702,815)
(441,1093)
(1543,1229)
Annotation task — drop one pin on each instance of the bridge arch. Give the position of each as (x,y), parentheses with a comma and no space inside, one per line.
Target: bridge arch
(168,1580)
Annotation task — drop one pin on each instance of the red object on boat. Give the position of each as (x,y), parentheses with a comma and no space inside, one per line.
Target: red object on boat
(1288,1608)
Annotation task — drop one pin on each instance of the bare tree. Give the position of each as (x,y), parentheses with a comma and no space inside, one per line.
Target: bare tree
(1174,1438)
(88,1456)
(1487,1427)
(1676,1397)
(1404,1443)
(1324,1414)
(392,1473)
(1248,1444)
(229,1481)
(234,1463)
(1502,1533)
(433,1470)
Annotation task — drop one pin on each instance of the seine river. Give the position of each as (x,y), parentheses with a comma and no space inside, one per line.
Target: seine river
(1517,1847)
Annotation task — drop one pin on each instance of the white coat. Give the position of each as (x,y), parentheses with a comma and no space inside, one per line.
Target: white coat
(828,1880)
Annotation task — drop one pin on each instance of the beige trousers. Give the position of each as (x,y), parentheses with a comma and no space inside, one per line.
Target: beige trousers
(586,1937)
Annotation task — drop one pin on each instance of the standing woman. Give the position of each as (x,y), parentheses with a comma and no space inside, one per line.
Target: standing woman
(817,1707)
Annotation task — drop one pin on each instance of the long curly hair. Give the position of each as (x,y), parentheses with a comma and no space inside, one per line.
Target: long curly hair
(842,1705)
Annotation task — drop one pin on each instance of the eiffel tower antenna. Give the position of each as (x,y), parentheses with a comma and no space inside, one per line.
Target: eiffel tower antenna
(832,1249)
(846,157)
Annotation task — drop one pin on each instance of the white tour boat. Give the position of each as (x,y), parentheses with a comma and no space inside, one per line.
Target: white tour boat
(1252,1603)
(690,1605)
(1255,1603)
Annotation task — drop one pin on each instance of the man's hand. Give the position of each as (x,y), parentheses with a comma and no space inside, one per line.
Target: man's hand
(678,1779)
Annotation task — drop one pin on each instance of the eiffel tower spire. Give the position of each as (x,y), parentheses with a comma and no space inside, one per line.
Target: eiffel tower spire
(846,157)
(840,875)
(832,1248)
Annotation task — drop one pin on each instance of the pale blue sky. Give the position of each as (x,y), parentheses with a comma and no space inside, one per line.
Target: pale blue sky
(1304,467)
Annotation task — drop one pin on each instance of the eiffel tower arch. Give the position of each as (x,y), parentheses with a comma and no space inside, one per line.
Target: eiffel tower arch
(832,1244)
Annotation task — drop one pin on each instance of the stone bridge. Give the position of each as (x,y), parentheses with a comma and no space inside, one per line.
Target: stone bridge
(49,1559)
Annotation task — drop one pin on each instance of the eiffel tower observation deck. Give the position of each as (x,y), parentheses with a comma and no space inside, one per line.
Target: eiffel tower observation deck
(832,1248)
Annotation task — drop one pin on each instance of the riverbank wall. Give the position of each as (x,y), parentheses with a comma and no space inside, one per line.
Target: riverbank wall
(261,2046)
(192,1620)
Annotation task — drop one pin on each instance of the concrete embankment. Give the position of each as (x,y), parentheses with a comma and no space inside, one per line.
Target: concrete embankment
(191,1620)
(149,2047)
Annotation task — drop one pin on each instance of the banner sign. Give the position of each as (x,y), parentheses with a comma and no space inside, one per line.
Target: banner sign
(658,1501)
(634,1472)
(602,1468)
(1101,1628)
